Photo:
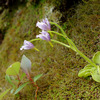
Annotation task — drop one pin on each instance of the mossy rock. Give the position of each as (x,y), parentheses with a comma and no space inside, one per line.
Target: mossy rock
(59,65)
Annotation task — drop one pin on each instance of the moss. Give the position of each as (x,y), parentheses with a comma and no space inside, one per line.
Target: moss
(59,65)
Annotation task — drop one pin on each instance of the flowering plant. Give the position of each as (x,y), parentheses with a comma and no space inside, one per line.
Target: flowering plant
(13,76)
(92,69)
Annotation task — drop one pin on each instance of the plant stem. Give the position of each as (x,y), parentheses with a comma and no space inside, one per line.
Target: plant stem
(34,40)
(36,49)
(79,52)
(72,45)
(60,43)
(35,86)
(86,58)
(18,80)
(50,44)
(57,33)
(59,28)
(76,50)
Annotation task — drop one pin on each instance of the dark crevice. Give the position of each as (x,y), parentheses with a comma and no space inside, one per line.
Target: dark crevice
(10,4)
(1,36)
(66,7)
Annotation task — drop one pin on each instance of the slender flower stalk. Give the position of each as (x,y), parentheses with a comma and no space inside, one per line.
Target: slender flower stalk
(34,40)
(57,33)
(52,23)
(36,49)
(71,44)
(73,47)
(60,43)
(86,58)
(79,52)
(50,44)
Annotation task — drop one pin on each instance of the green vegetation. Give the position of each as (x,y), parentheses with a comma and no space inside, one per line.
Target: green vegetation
(59,65)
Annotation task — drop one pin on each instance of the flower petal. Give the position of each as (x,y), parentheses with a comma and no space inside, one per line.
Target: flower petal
(47,22)
(27,45)
(44,36)
(44,25)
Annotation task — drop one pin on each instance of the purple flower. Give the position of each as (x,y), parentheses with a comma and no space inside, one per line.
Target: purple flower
(27,45)
(44,25)
(44,36)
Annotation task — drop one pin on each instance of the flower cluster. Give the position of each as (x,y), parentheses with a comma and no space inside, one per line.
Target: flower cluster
(44,26)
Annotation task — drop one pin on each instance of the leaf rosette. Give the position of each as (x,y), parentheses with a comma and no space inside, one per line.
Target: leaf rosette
(90,70)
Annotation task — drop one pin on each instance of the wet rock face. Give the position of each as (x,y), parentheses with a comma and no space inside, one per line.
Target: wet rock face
(9,2)
(4,4)
(1,38)
(64,5)
(1,35)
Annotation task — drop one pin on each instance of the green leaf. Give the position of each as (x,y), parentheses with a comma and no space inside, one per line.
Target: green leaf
(4,93)
(37,77)
(29,32)
(21,87)
(7,77)
(96,58)
(25,64)
(96,74)
(17,95)
(22,76)
(13,69)
(12,90)
(86,71)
